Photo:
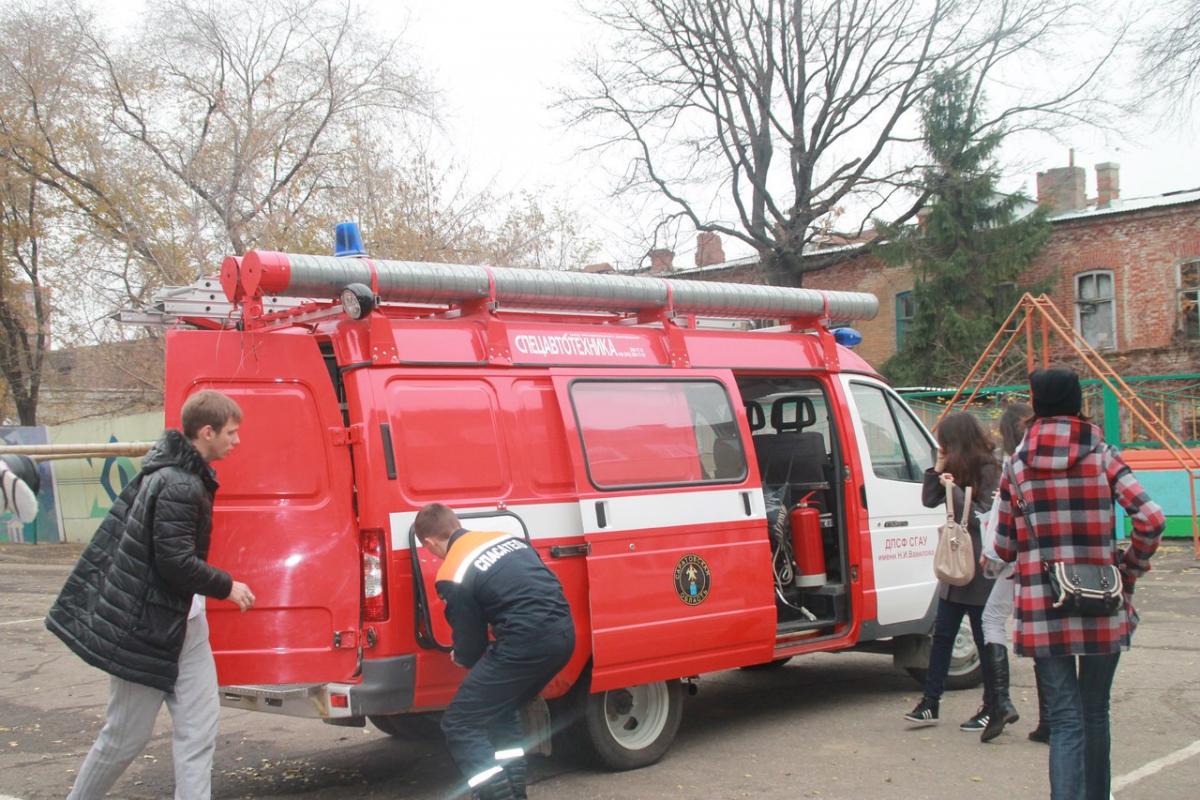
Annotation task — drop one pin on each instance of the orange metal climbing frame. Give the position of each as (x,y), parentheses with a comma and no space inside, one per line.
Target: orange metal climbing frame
(1040,313)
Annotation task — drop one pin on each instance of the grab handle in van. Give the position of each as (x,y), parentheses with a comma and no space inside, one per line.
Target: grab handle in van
(601,514)
(389,455)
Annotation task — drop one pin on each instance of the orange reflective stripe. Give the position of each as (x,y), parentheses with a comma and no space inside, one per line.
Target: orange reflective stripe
(466,547)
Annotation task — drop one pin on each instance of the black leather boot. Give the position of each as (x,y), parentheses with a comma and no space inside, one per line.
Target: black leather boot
(1003,712)
(1041,733)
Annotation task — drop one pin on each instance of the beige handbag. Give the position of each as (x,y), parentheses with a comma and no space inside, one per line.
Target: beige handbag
(954,558)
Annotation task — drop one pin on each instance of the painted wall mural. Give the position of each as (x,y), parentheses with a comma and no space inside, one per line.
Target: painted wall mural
(46,526)
(88,486)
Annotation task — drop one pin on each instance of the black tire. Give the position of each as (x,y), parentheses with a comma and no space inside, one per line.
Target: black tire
(767,666)
(966,668)
(634,727)
(409,727)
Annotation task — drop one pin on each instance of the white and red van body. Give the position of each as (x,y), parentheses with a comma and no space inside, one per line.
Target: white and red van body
(710,497)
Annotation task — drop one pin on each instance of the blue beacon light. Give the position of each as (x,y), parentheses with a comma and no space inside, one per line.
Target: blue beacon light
(847,337)
(347,240)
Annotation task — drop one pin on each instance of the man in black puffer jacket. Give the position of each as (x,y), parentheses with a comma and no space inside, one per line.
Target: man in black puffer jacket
(134,604)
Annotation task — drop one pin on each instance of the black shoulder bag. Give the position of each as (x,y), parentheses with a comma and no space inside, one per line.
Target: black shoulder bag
(1085,590)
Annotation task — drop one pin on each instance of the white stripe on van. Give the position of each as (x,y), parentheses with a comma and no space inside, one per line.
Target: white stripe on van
(544,521)
(622,513)
(639,512)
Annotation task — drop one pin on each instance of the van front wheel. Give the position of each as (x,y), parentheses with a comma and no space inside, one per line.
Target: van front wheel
(966,668)
(633,727)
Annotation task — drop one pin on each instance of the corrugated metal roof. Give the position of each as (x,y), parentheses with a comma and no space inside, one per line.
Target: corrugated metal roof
(1128,205)
(1118,206)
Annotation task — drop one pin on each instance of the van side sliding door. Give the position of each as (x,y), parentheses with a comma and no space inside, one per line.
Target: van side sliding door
(678,561)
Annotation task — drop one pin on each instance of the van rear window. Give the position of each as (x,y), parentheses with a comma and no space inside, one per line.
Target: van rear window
(651,433)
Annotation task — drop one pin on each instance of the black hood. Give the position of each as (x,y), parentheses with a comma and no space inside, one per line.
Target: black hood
(174,450)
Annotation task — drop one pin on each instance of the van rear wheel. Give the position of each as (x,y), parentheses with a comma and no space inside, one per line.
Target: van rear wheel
(635,726)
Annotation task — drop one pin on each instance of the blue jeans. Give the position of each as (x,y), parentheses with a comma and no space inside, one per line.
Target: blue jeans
(1079,732)
(945,630)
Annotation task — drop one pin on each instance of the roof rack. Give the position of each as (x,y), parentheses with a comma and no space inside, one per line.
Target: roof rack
(268,288)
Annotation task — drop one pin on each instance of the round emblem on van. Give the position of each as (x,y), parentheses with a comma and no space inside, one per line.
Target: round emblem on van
(692,579)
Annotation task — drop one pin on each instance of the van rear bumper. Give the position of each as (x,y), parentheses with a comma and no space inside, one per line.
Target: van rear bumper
(386,688)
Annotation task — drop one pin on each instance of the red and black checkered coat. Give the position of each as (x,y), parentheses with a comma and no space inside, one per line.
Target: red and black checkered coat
(1069,479)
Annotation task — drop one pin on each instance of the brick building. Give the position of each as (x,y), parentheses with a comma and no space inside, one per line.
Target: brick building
(103,380)
(1126,272)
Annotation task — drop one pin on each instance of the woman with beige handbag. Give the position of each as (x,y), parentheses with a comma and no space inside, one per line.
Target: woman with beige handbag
(964,461)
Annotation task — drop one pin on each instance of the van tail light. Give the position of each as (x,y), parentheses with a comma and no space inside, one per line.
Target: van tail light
(374,575)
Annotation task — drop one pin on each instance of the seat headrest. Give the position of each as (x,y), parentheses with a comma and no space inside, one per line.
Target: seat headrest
(803,413)
(755,416)
(728,458)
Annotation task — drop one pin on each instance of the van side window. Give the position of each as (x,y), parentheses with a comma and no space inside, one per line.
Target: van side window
(653,433)
(899,449)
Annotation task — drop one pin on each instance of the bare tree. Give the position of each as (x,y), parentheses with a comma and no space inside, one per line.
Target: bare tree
(24,307)
(412,207)
(38,87)
(1170,66)
(795,110)
(247,104)
(211,128)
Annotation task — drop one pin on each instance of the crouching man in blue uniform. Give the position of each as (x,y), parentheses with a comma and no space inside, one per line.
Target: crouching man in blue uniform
(498,580)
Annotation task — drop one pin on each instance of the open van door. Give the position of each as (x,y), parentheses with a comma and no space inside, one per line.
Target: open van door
(283,522)
(678,564)
(895,450)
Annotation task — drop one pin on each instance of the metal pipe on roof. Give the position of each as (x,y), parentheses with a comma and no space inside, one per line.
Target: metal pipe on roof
(267,273)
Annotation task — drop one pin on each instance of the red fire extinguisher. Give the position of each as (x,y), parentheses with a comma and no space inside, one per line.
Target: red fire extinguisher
(807,548)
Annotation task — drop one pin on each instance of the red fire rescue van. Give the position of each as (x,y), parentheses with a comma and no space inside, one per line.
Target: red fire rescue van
(711,496)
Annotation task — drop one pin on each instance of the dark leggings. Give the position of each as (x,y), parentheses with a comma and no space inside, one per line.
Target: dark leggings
(945,630)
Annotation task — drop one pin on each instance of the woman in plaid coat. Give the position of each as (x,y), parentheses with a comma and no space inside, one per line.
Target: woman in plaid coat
(1067,479)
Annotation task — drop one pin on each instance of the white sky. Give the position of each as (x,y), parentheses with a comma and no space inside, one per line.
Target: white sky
(498,63)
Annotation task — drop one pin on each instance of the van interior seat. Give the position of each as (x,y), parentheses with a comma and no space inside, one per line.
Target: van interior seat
(791,455)
(728,460)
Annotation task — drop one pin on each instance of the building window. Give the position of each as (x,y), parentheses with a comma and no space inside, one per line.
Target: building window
(1189,299)
(906,309)
(1094,316)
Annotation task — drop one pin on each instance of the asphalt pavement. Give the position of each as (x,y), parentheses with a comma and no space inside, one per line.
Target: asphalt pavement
(824,726)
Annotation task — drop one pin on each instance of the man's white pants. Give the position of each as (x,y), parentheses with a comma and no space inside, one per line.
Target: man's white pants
(129,723)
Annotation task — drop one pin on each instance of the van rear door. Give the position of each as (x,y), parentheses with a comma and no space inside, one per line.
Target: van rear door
(283,523)
(672,512)
(895,450)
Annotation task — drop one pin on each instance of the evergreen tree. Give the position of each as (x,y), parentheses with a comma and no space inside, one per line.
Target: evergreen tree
(971,249)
